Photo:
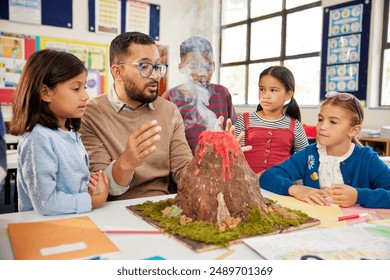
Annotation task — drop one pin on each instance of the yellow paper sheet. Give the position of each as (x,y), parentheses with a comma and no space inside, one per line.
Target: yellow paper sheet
(382,222)
(383,214)
(326,214)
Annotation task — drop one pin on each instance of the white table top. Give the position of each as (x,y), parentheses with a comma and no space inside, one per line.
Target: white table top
(132,246)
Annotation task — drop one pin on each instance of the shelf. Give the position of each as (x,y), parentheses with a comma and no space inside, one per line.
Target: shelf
(379,145)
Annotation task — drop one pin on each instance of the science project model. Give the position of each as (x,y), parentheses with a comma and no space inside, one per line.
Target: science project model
(219,201)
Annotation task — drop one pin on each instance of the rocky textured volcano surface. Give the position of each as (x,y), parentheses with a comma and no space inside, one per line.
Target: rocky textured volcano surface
(218,184)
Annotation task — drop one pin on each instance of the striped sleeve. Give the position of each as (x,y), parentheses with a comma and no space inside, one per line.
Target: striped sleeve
(300,138)
(240,127)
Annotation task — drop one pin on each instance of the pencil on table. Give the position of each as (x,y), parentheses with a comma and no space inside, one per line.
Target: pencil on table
(121,231)
(224,255)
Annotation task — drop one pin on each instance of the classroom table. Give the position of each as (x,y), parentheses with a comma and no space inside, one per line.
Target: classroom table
(115,216)
(132,246)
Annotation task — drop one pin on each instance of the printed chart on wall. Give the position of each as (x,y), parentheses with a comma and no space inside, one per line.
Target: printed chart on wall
(115,17)
(143,17)
(137,16)
(94,56)
(15,49)
(345,49)
(38,12)
(107,16)
(25,11)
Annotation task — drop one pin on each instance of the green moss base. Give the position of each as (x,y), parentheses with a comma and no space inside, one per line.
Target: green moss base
(254,224)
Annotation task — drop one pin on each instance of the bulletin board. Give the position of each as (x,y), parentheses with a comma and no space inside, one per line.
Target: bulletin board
(114,17)
(15,49)
(94,56)
(42,12)
(345,43)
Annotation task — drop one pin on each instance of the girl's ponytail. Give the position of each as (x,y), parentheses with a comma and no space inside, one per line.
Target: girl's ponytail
(292,109)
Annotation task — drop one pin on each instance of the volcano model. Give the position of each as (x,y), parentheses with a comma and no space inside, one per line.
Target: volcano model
(219,200)
(218,185)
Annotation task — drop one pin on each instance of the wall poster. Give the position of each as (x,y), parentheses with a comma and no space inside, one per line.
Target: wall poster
(41,12)
(119,16)
(15,49)
(345,48)
(108,17)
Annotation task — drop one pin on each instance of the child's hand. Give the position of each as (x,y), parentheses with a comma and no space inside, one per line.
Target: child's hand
(231,129)
(219,123)
(310,195)
(99,197)
(93,182)
(343,195)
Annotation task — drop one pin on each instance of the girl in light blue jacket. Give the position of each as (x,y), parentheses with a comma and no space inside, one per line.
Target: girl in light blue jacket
(52,174)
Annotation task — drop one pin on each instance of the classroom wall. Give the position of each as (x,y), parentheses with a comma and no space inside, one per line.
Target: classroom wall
(181,19)
(178,20)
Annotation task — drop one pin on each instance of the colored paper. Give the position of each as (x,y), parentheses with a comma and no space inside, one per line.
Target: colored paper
(326,214)
(69,238)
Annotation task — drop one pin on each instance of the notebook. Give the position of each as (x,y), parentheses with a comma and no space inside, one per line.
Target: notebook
(68,238)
